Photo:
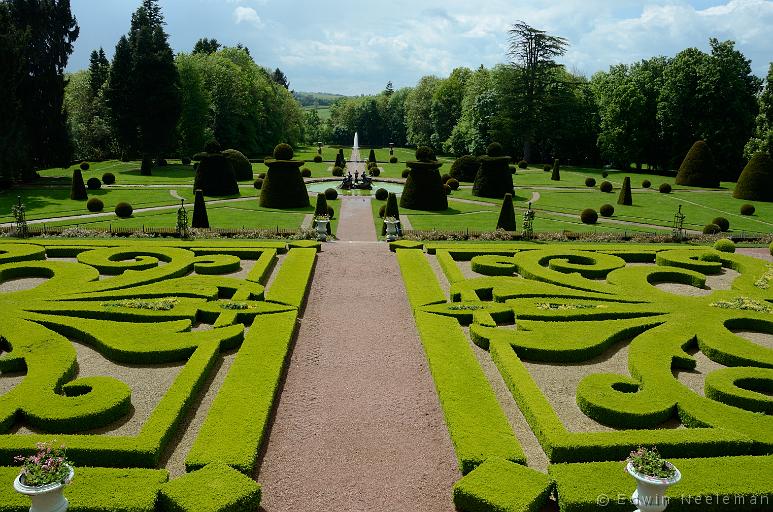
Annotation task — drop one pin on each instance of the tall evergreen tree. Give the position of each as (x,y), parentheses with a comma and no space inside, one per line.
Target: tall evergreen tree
(120,98)
(99,70)
(280,78)
(13,147)
(206,46)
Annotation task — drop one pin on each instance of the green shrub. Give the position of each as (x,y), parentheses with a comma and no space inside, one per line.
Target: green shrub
(200,218)
(215,174)
(698,168)
(406,173)
(495,150)
(424,190)
(547,167)
(589,216)
(283,152)
(382,194)
(331,194)
(770,248)
(494,179)
(258,184)
(241,166)
(748,209)
(646,184)
(306,172)
(317,159)
(425,154)
(94,184)
(513,169)
(338,172)
(262,175)
(722,222)
(447,190)
(453,183)
(607,210)
(590,182)
(756,180)
(84,166)
(124,210)
(186,160)
(523,164)
(375,172)
(78,189)
(507,214)
(465,168)
(108,178)
(604,174)
(711,229)
(625,197)
(372,156)
(664,188)
(146,167)
(95,204)
(393,160)
(724,245)
(391,209)
(556,176)
(606,187)
(161,162)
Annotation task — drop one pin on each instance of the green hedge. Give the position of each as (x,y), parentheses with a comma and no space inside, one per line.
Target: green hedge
(293,278)
(215,488)
(419,278)
(498,485)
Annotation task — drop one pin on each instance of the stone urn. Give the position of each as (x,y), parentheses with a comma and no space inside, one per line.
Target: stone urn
(321,225)
(391,229)
(650,493)
(45,498)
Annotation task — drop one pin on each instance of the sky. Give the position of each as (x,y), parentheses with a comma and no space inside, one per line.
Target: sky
(355,47)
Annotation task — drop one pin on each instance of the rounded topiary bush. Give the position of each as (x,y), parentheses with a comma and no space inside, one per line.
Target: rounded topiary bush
(331,194)
(590,182)
(161,162)
(241,165)
(646,184)
(698,168)
(375,172)
(711,256)
(382,194)
(547,167)
(331,212)
(124,210)
(425,154)
(306,172)
(495,149)
(605,174)
(317,159)
(444,178)
(337,171)
(94,184)
(513,169)
(406,173)
(711,229)
(465,168)
(215,174)
(85,166)
(262,175)
(95,204)
(393,160)
(186,160)
(447,189)
(453,183)
(756,180)
(523,164)
(283,152)
(108,178)
(258,184)
(607,210)
(724,245)
(606,187)
(665,188)
(382,211)
(589,216)
(748,209)
(722,222)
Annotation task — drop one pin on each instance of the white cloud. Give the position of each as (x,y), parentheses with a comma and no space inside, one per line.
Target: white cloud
(247,15)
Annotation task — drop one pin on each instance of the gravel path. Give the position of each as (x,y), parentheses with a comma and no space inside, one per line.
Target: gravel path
(358,425)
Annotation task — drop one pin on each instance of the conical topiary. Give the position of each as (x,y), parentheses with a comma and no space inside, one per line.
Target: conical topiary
(556,176)
(372,156)
(78,188)
(424,187)
(283,187)
(756,180)
(625,193)
(146,169)
(200,219)
(698,168)
(321,208)
(391,210)
(215,175)
(494,178)
(507,214)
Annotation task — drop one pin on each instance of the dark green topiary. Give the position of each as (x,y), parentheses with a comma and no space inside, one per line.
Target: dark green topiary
(262,175)
(698,168)
(523,164)
(465,168)
(646,184)
(94,184)
(146,169)
(607,210)
(283,187)
(258,184)
(318,159)
(722,222)
(393,160)
(372,156)
(241,166)
(556,176)
(108,178)
(453,183)
(444,178)
(606,187)
(382,194)
(338,171)
(124,210)
(306,172)
(494,179)
(625,198)
(331,194)
(447,190)
(605,174)
(321,209)
(507,214)
(382,212)
(391,210)
(665,188)
(513,169)
(423,187)
(406,173)
(200,218)
(711,229)
(756,180)
(547,167)
(495,150)
(78,188)
(215,175)
(332,214)
(95,204)
(85,166)
(589,216)
(748,209)
(590,182)
(161,162)
(185,160)
(375,172)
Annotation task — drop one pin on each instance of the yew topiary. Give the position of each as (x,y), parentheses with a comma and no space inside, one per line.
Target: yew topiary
(606,187)
(607,210)
(724,245)
(94,184)
(372,156)
(453,183)
(698,168)
(338,171)
(523,164)
(748,209)
(590,182)
(241,165)
(306,172)
(547,167)
(95,204)
(283,152)
(382,194)
(423,187)
(124,210)
(393,160)
(85,166)
(283,187)
(215,175)
(722,222)
(78,188)
(465,168)
(625,197)
(646,184)
(321,209)
(756,180)
(258,184)
(390,210)
(375,172)
(317,159)
(406,173)
(146,168)
(494,179)
(506,219)
(200,218)
(556,176)
(589,216)
(331,194)
(665,188)
(711,229)
(108,178)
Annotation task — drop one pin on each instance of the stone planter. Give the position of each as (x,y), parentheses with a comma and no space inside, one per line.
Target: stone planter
(45,498)
(650,491)
(391,230)
(321,226)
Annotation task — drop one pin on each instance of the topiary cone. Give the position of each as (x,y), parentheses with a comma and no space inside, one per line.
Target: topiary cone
(146,169)
(200,219)
(321,208)
(698,168)
(372,156)
(756,180)
(556,176)
(391,210)
(507,214)
(78,188)
(625,197)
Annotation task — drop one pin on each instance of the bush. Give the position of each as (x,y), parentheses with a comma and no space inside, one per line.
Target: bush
(241,165)
(406,173)
(283,152)
(605,174)
(453,183)
(495,149)
(283,187)
(665,188)
(215,175)
(425,154)
(724,245)
(94,184)
(306,172)
(698,168)
(556,170)
(372,156)
(493,179)
(711,229)
(447,190)
(146,168)
(626,198)
(78,189)
(320,208)
(331,194)
(382,194)
(337,171)
(95,204)
(331,212)
(185,160)
(547,168)
(85,166)
(393,160)
(606,187)
(513,169)
(108,178)
(124,210)
(506,219)
(423,188)
(375,172)
(523,164)
(590,182)
(200,218)
(748,209)
(213,146)
(382,211)
(589,216)
(722,222)
(465,168)
(646,184)
(262,175)
(317,159)
(444,178)
(258,184)
(756,180)
(161,162)
(607,210)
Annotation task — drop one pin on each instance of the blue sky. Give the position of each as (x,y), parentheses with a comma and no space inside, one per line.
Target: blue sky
(355,47)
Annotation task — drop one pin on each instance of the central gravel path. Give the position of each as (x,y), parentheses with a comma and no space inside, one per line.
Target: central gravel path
(358,426)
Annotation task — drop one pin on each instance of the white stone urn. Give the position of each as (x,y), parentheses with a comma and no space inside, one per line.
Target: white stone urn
(391,229)
(321,225)
(45,498)
(650,493)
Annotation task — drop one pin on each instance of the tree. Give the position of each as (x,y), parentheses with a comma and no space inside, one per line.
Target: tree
(280,78)
(13,144)
(389,89)
(418,110)
(472,133)
(193,126)
(206,46)
(447,105)
(762,140)
(88,118)
(119,95)
(99,71)
(533,52)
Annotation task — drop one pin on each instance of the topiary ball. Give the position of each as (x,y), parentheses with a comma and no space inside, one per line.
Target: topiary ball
(185,160)
(748,209)
(95,204)
(590,182)
(589,216)
(283,152)
(724,245)
(646,184)
(711,256)
(262,175)
(406,172)
(424,154)
(331,212)
(161,162)
(513,169)
(665,188)
(495,149)
(108,178)
(607,210)
(258,184)
(213,146)
(317,159)
(444,178)
(94,184)
(382,211)
(124,210)
(604,174)
(331,194)
(711,229)
(722,222)
(306,172)
(375,172)
(523,164)
(606,187)
(382,194)
(393,160)
(85,166)
(447,190)
(547,168)
(453,183)
(337,171)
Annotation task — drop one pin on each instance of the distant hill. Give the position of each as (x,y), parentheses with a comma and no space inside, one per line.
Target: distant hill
(316,99)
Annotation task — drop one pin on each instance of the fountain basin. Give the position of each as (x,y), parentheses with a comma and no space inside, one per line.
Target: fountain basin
(321,186)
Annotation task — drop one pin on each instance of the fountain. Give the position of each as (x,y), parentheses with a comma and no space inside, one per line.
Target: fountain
(356,182)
